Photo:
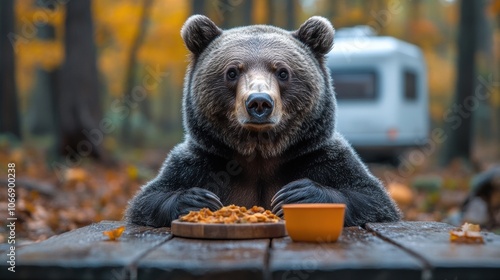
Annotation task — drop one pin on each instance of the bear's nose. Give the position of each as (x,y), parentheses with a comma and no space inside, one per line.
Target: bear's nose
(259,105)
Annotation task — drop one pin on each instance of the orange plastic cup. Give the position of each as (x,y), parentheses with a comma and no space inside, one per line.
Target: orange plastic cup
(314,222)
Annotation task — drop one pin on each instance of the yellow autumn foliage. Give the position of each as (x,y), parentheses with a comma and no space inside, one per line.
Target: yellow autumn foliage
(32,52)
(116,24)
(163,45)
(118,18)
(259,15)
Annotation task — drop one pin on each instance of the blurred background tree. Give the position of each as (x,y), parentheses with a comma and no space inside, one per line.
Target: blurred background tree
(460,143)
(9,116)
(130,76)
(78,98)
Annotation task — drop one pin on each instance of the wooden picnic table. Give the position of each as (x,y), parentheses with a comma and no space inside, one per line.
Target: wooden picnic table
(403,250)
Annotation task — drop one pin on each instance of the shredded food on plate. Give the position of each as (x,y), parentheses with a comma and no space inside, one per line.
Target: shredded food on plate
(231,214)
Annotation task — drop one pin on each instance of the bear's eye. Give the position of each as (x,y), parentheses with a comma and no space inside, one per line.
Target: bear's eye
(232,74)
(283,74)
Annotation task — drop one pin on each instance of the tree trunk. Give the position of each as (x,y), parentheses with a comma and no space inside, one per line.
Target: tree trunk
(198,7)
(130,81)
(291,7)
(40,115)
(459,144)
(39,118)
(247,12)
(78,98)
(496,106)
(9,114)
(271,14)
(239,13)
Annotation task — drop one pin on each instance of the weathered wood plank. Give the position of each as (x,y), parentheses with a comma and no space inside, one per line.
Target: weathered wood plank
(183,258)
(85,253)
(357,254)
(431,241)
(223,231)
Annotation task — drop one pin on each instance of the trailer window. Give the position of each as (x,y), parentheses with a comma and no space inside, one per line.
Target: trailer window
(410,87)
(355,85)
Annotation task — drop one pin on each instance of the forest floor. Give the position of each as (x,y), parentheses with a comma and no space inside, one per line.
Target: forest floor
(51,201)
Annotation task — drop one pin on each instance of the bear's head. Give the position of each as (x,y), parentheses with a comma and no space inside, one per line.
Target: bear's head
(258,89)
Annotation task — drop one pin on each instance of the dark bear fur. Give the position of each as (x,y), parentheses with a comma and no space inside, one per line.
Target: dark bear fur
(229,156)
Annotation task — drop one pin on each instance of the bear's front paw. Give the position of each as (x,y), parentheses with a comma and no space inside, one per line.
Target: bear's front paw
(159,209)
(302,191)
(194,199)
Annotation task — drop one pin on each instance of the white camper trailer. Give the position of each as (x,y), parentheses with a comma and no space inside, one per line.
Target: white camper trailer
(381,90)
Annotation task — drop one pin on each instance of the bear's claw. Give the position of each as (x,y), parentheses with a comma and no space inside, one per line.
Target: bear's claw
(300,191)
(197,198)
(214,199)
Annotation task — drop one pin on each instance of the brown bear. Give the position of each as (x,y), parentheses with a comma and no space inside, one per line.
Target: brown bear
(259,120)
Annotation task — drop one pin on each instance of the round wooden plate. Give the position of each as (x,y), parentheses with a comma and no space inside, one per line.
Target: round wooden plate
(228,231)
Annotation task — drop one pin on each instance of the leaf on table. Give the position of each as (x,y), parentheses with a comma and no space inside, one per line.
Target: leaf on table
(114,233)
(468,233)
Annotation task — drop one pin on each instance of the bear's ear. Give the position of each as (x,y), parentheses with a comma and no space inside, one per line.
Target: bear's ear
(198,31)
(317,33)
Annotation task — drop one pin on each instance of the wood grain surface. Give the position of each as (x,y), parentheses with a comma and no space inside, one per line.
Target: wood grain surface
(402,250)
(189,259)
(430,241)
(85,253)
(228,231)
(357,254)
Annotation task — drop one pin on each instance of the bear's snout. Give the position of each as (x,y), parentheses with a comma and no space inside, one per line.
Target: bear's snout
(259,107)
